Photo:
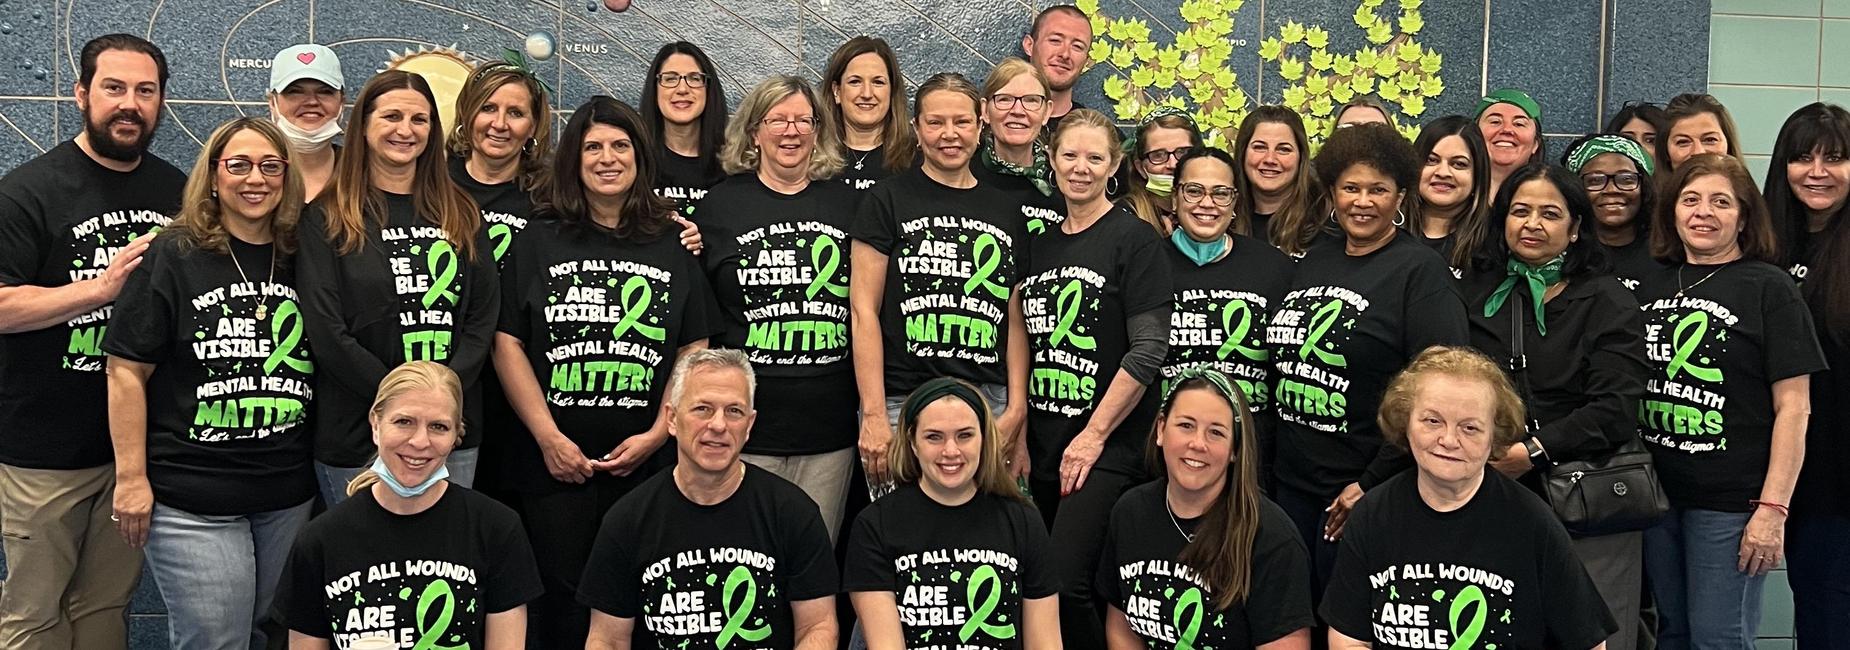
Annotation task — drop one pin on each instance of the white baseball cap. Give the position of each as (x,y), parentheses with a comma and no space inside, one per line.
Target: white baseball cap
(308,61)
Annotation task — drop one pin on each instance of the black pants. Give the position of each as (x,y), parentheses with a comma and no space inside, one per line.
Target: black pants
(1307,513)
(1078,523)
(562,525)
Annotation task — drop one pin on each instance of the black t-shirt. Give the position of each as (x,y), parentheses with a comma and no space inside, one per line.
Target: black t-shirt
(1346,326)
(1498,570)
(602,320)
(958,573)
(63,217)
(779,267)
(1220,314)
(428,579)
(1823,487)
(505,207)
(406,294)
(865,168)
(1042,212)
(1632,262)
(683,180)
(709,576)
(1080,294)
(233,378)
(1715,354)
(1171,606)
(953,258)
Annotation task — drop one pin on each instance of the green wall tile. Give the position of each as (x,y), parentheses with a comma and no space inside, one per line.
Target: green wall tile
(1838,96)
(1758,111)
(1776,606)
(1836,53)
(1772,644)
(1750,50)
(1806,8)
(1837,8)
(1757,164)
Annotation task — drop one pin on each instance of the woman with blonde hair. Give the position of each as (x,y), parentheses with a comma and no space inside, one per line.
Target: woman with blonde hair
(1449,551)
(867,101)
(957,523)
(501,146)
(1279,199)
(779,268)
(452,563)
(210,380)
(394,267)
(1096,302)
(1013,155)
(1220,561)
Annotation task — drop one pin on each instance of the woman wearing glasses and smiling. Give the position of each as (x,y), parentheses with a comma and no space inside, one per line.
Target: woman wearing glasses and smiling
(1012,157)
(684,109)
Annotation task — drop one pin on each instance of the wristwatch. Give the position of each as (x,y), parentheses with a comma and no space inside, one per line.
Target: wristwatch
(1537,456)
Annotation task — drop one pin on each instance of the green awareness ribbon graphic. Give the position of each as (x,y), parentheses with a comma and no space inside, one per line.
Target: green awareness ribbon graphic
(1187,619)
(440,260)
(1320,324)
(825,258)
(503,235)
(637,296)
(737,613)
(287,319)
(1235,340)
(988,255)
(1689,334)
(1467,597)
(984,581)
(429,637)
(1072,297)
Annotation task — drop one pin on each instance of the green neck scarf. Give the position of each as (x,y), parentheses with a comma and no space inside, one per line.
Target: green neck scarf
(1040,174)
(1539,277)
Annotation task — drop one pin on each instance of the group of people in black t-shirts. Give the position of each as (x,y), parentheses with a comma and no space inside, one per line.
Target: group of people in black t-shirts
(1063,386)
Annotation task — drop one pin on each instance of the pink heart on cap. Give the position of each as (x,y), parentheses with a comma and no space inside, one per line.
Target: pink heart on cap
(306,57)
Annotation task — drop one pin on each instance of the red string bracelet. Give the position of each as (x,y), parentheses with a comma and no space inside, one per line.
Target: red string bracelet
(1777,507)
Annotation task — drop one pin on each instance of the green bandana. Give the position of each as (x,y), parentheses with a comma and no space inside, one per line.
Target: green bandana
(1041,174)
(1539,278)
(1599,144)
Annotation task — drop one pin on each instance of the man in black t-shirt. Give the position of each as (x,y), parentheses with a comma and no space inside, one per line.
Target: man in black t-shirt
(716,552)
(1059,44)
(73,223)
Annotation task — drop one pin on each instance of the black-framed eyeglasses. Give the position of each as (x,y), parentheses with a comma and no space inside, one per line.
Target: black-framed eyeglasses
(1028,102)
(1625,181)
(672,79)
(271,167)
(1195,192)
(805,125)
(1160,156)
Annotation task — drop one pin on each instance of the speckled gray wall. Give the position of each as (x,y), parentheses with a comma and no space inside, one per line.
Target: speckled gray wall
(1580,58)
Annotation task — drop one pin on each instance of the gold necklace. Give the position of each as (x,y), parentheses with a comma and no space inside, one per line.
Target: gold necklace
(1683,290)
(263,303)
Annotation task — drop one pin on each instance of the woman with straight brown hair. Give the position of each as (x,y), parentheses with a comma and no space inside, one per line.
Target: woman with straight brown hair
(394,267)
(1697,123)
(1279,199)
(875,127)
(1220,562)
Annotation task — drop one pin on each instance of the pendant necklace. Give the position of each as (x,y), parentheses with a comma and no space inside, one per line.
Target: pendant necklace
(863,159)
(1178,523)
(1683,290)
(263,304)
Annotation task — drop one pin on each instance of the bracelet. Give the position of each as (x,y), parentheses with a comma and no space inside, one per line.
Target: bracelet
(1780,508)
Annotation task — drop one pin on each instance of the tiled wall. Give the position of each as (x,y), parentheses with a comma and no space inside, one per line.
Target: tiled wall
(1770,57)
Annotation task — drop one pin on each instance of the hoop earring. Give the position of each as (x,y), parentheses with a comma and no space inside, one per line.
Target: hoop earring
(1111,186)
(1333,220)
(1400,218)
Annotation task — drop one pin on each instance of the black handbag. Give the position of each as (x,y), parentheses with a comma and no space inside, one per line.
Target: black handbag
(1615,493)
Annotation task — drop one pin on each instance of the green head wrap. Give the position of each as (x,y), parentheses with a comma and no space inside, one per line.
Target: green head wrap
(1579,156)
(1511,96)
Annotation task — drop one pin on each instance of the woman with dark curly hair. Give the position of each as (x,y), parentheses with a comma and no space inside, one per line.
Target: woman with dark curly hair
(1357,309)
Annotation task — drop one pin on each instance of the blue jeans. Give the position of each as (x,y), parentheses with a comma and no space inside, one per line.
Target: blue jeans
(334,480)
(1703,601)
(218,574)
(1819,568)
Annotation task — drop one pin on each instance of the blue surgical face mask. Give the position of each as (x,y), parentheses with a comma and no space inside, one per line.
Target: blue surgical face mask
(386,477)
(1201,253)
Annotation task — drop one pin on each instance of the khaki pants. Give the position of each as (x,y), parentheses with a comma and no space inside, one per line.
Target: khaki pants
(69,574)
(824,477)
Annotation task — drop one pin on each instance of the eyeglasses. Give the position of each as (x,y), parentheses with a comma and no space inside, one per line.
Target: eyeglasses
(1625,181)
(672,79)
(1639,104)
(1159,156)
(1195,192)
(1028,102)
(805,125)
(271,167)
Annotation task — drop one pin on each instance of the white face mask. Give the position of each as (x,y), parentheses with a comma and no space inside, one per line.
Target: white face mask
(303,140)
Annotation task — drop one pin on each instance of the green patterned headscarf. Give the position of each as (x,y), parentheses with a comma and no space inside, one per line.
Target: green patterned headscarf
(1600,144)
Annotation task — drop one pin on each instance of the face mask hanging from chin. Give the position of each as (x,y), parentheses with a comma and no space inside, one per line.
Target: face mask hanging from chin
(408,491)
(302,140)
